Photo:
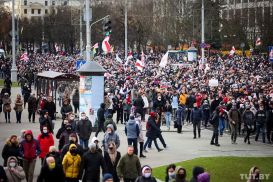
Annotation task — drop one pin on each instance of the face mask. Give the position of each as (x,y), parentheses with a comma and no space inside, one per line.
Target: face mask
(73,151)
(12,164)
(147,175)
(44,131)
(51,165)
(181,176)
(171,174)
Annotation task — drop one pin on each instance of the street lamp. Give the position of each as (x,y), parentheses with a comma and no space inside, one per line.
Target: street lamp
(13,68)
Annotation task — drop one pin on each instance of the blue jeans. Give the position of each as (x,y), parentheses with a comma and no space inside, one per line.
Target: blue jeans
(221,125)
(18,116)
(133,141)
(84,143)
(260,128)
(168,117)
(149,140)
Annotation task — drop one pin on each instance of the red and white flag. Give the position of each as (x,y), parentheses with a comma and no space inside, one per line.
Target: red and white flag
(258,41)
(95,46)
(24,57)
(232,51)
(139,65)
(164,60)
(129,57)
(143,58)
(106,47)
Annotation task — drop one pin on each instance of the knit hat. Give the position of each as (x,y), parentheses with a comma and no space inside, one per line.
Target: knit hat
(152,114)
(107,176)
(203,177)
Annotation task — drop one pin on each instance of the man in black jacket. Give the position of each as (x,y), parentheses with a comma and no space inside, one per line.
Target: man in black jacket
(215,123)
(100,119)
(260,119)
(50,106)
(196,117)
(92,161)
(269,123)
(84,129)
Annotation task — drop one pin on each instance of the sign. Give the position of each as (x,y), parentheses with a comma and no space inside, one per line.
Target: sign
(79,63)
(270,55)
(203,45)
(213,83)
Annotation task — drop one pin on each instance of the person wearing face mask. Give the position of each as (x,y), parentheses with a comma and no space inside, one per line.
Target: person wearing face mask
(111,158)
(45,120)
(129,167)
(170,173)
(92,162)
(53,153)
(110,135)
(71,164)
(260,118)
(181,175)
(84,130)
(146,175)
(64,136)
(11,148)
(73,139)
(234,118)
(249,121)
(45,140)
(51,171)
(66,109)
(14,172)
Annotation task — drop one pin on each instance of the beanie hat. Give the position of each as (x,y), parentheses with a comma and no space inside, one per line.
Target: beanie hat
(107,176)
(203,177)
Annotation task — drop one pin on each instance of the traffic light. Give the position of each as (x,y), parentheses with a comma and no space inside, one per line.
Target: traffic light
(107,27)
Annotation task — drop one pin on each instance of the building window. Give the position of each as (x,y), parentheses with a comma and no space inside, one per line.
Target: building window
(32,11)
(46,11)
(53,3)
(25,11)
(25,2)
(46,2)
(39,11)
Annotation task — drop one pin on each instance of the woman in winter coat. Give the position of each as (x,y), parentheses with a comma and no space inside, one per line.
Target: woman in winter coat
(71,164)
(181,174)
(146,176)
(6,106)
(14,172)
(45,140)
(18,107)
(112,157)
(11,148)
(140,138)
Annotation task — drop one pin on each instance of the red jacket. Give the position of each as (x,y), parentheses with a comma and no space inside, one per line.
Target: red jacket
(198,99)
(45,142)
(29,150)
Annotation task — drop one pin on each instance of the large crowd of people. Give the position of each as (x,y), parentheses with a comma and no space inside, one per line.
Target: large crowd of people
(241,104)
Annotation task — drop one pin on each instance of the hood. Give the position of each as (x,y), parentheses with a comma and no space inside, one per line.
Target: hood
(72,146)
(94,139)
(144,168)
(111,126)
(131,122)
(12,157)
(8,141)
(196,171)
(102,105)
(28,132)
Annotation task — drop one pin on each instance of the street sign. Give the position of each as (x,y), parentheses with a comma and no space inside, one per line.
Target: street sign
(79,63)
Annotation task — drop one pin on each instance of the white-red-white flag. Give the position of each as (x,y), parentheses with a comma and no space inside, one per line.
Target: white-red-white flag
(139,65)
(118,59)
(106,47)
(24,57)
(129,57)
(232,51)
(258,41)
(143,58)
(164,60)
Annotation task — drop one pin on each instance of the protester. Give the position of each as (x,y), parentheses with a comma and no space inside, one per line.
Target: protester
(260,119)
(110,135)
(32,108)
(6,106)
(170,173)
(45,139)
(132,132)
(140,138)
(195,172)
(14,172)
(181,174)
(84,130)
(11,148)
(248,118)
(196,117)
(101,119)
(234,120)
(203,177)
(76,101)
(18,108)
(3,176)
(254,175)
(215,123)
(146,175)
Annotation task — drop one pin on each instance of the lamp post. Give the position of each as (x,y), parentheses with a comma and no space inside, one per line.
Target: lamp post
(125,32)
(203,33)
(88,30)
(13,68)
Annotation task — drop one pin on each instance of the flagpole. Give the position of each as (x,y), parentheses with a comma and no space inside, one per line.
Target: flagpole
(88,30)
(125,25)
(13,68)
(203,33)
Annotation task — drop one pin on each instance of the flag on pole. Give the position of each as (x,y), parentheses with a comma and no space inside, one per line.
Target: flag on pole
(258,41)
(232,51)
(106,47)
(164,60)
(129,57)
(139,65)
(143,58)
(24,57)
(118,59)
(95,46)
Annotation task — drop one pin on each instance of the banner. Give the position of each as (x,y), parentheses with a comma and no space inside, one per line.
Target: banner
(213,83)
(270,56)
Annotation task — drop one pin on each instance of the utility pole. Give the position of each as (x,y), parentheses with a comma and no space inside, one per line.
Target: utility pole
(13,68)
(88,31)
(81,30)
(125,25)
(203,33)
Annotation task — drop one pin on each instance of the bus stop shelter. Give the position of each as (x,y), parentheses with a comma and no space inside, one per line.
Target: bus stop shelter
(47,82)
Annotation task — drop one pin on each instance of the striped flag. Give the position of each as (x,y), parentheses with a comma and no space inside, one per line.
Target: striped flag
(139,65)
(164,60)
(143,58)
(232,51)
(258,41)
(24,57)
(129,57)
(106,47)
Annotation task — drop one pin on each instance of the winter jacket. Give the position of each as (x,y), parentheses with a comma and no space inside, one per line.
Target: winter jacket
(46,122)
(18,105)
(143,179)
(248,118)
(168,108)
(3,176)
(10,149)
(129,167)
(17,175)
(51,108)
(65,110)
(29,150)
(76,98)
(112,166)
(45,141)
(6,104)
(84,129)
(65,149)
(113,136)
(131,129)
(100,115)
(32,104)
(234,115)
(190,101)
(141,135)
(110,121)
(260,117)
(139,104)
(196,115)
(153,131)
(182,99)
(91,164)
(71,164)
(47,175)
